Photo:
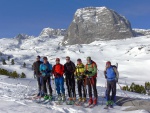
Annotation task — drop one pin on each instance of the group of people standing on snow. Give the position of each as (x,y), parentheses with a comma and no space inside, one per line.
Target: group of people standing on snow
(85,75)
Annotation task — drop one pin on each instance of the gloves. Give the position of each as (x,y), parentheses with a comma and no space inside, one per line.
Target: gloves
(79,77)
(90,72)
(42,70)
(86,72)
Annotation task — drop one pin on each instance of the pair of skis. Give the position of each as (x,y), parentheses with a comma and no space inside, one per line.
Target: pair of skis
(90,106)
(79,103)
(39,100)
(108,107)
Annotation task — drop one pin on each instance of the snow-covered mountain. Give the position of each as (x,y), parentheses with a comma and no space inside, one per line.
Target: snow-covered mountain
(97,23)
(51,33)
(142,32)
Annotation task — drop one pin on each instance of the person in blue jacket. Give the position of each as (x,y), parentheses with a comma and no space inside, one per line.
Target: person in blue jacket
(46,69)
(112,76)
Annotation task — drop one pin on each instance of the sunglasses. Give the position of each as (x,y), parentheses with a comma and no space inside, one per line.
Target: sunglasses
(67,59)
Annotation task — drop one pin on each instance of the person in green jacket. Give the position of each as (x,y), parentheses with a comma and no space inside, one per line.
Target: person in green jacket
(91,74)
(80,76)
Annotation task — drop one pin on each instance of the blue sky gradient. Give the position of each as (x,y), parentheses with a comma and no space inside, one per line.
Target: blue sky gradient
(31,16)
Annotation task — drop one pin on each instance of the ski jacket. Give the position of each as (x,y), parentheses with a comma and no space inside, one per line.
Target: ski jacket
(69,68)
(112,73)
(80,69)
(46,69)
(36,67)
(58,70)
(92,69)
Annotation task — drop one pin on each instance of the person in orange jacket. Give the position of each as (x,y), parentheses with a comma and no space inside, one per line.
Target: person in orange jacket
(58,71)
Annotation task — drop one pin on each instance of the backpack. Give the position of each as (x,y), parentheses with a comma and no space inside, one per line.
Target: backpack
(115,66)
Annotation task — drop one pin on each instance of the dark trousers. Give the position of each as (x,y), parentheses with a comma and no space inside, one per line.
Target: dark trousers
(81,87)
(111,86)
(92,84)
(70,83)
(46,83)
(39,81)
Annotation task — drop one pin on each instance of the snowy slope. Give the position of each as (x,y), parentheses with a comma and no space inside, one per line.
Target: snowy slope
(132,55)
(13,92)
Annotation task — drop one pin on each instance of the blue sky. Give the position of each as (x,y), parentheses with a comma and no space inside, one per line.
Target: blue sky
(31,16)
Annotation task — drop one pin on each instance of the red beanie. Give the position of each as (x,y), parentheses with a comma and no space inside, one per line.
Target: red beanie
(108,63)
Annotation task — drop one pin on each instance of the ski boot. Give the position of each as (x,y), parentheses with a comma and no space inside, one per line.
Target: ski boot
(90,101)
(95,101)
(59,97)
(107,105)
(111,104)
(80,99)
(63,97)
(50,97)
(46,97)
(84,99)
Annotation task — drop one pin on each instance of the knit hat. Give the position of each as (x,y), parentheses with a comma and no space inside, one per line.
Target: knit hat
(88,58)
(44,58)
(108,63)
(38,57)
(79,60)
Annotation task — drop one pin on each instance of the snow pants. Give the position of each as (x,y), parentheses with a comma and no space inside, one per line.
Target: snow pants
(92,85)
(111,86)
(46,83)
(59,82)
(81,87)
(70,83)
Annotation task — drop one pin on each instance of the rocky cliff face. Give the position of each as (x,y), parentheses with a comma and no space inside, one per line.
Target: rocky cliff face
(97,23)
(50,33)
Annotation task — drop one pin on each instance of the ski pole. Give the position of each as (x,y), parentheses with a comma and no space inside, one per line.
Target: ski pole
(122,90)
(105,92)
(125,93)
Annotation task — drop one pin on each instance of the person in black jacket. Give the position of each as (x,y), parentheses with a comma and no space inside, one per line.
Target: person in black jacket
(69,68)
(36,68)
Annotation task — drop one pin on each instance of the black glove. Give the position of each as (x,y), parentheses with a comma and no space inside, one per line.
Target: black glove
(90,72)
(43,71)
(86,72)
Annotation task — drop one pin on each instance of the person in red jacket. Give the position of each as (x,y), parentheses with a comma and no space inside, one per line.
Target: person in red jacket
(58,71)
